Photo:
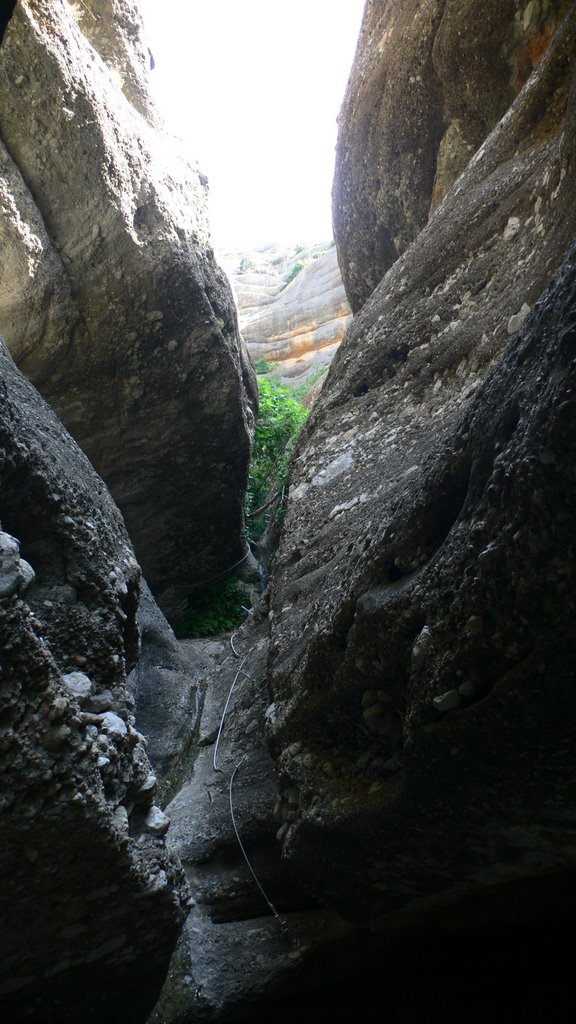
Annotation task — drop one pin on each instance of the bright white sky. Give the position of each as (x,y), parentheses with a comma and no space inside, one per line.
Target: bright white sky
(254,88)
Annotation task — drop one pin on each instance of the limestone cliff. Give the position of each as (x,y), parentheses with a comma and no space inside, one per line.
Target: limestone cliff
(90,902)
(429,81)
(112,302)
(292,307)
(407,679)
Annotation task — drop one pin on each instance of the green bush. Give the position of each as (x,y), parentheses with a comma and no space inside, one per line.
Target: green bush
(297,267)
(280,419)
(214,608)
(262,365)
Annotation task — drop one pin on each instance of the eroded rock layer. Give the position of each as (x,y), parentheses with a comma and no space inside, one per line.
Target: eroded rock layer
(429,81)
(90,902)
(112,302)
(292,306)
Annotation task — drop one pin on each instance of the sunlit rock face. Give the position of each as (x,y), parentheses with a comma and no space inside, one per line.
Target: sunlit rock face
(112,302)
(415,648)
(90,902)
(293,309)
(429,81)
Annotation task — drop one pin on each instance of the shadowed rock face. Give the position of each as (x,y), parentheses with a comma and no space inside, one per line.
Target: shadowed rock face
(429,81)
(418,667)
(422,635)
(112,302)
(88,891)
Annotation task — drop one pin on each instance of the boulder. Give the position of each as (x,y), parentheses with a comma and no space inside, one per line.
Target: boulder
(429,82)
(90,902)
(113,303)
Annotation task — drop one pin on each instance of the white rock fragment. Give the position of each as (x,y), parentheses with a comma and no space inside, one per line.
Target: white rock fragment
(334,469)
(113,725)
(27,574)
(347,505)
(79,684)
(149,785)
(512,228)
(15,573)
(515,322)
(421,648)
(157,822)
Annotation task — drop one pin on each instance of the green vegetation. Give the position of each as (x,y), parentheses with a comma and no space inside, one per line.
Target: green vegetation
(214,608)
(280,419)
(297,267)
(263,365)
(301,390)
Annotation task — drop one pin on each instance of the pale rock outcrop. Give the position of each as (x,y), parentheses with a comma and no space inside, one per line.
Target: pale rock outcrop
(415,649)
(90,901)
(292,306)
(112,302)
(429,81)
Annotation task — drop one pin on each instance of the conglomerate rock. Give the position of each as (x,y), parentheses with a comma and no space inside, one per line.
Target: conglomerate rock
(90,902)
(419,662)
(429,81)
(112,302)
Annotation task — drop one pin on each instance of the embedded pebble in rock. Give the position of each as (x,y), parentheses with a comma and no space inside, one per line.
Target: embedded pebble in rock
(512,228)
(120,818)
(79,685)
(157,822)
(113,725)
(149,785)
(15,573)
(447,701)
(515,322)
(100,701)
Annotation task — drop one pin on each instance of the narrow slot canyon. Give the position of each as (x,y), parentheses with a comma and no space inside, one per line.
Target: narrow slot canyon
(287,520)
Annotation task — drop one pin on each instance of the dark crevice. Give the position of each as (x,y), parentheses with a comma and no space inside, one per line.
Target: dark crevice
(6,12)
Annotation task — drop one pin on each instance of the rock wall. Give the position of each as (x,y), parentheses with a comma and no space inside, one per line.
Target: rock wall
(424,576)
(90,902)
(112,301)
(429,81)
(410,667)
(292,306)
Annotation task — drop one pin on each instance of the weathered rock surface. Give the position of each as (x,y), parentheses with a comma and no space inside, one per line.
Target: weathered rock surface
(422,635)
(112,302)
(421,638)
(90,902)
(292,306)
(429,81)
